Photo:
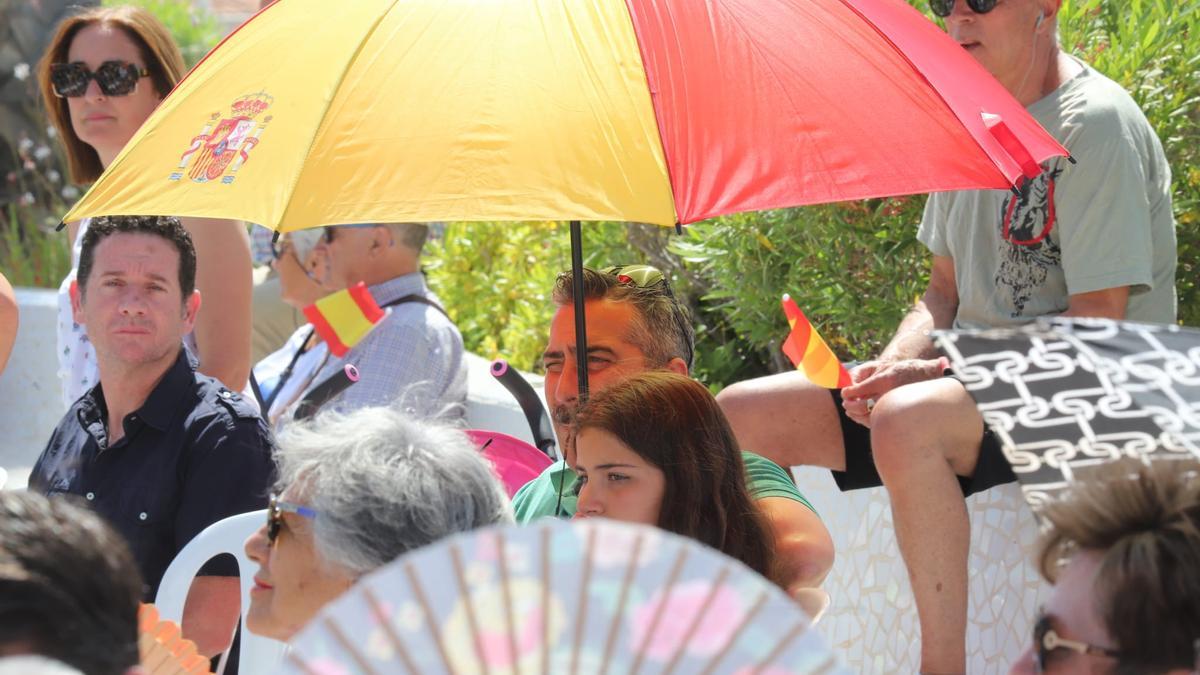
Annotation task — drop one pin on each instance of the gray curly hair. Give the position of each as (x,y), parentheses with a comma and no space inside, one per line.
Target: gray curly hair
(384,483)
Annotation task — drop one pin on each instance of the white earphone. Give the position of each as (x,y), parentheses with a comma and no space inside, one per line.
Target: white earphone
(1040,19)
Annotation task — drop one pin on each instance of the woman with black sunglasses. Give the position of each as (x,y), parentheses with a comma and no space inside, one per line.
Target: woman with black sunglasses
(103,73)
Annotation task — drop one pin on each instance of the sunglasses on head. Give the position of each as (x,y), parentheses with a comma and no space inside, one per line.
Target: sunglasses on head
(115,78)
(1046,642)
(944,8)
(275,511)
(645,276)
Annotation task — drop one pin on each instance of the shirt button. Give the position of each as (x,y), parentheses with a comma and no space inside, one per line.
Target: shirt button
(142,515)
(90,496)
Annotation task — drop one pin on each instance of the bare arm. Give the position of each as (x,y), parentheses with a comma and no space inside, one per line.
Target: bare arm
(935,309)
(1109,303)
(911,355)
(803,547)
(211,613)
(9,320)
(223,275)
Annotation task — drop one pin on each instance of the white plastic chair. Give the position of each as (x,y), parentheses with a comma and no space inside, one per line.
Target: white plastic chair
(258,654)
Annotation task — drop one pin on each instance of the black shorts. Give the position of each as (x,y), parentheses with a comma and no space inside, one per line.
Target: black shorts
(991,470)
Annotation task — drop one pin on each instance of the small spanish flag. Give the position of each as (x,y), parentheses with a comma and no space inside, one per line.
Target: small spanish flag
(344,318)
(809,352)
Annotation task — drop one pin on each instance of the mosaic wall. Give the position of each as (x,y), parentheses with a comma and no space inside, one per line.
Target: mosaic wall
(872,621)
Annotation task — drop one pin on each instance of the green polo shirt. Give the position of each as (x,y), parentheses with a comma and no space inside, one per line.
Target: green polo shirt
(540,496)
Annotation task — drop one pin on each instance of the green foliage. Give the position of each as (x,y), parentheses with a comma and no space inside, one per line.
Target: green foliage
(32,256)
(195,30)
(1152,48)
(495,280)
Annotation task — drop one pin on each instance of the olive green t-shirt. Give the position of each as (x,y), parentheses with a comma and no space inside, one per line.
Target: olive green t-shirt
(540,497)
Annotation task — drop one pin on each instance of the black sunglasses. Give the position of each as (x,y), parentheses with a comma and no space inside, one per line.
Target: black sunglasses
(115,78)
(1046,642)
(943,8)
(275,511)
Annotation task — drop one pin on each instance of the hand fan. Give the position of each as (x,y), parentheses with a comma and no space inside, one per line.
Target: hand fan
(562,597)
(163,649)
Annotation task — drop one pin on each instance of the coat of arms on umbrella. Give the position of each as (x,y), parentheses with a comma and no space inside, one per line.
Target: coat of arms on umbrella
(226,143)
(1063,395)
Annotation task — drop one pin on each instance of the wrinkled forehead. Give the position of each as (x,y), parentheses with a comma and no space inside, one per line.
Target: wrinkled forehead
(615,326)
(124,251)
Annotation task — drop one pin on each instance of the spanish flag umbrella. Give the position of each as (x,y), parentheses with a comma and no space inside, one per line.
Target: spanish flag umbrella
(656,111)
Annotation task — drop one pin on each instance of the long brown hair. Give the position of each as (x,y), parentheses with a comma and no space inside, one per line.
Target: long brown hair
(674,423)
(158,50)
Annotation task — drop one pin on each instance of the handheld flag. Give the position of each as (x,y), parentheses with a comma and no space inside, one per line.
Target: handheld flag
(809,352)
(344,318)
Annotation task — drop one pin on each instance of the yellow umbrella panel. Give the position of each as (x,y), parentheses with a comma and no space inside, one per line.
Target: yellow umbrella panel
(456,110)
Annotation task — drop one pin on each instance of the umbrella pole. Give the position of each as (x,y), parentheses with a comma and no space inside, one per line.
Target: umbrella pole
(581,355)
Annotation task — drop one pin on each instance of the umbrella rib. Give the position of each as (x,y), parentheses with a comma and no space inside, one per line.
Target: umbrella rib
(937,92)
(316,132)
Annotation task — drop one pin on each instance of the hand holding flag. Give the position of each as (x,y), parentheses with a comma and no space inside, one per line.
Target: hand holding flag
(808,352)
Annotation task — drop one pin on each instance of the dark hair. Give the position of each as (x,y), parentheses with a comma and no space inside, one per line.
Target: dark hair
(664,331)
(69,587)
(167,227)
(154,43)
(674,423)
(1144,523)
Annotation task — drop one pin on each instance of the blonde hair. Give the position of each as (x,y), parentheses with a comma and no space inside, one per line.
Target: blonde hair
(1143,520)
(157,48)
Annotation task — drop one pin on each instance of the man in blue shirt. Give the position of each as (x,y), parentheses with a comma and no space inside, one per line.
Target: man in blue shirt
(157,449)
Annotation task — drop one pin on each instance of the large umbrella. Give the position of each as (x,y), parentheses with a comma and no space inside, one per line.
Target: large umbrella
(657,111)
(1063,395)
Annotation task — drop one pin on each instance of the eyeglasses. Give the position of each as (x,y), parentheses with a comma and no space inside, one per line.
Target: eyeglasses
(275,511)
(944,8)
(645,276)
(1046,641)
(280,247)
(328,230)
(115,78)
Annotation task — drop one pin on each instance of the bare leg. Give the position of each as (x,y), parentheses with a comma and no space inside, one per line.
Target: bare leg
(786,419)
(922,435)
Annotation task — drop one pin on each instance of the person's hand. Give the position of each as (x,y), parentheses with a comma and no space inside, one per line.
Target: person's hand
(873,379)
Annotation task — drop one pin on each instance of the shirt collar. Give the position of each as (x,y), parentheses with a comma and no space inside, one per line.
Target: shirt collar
(398,287)
(160,407)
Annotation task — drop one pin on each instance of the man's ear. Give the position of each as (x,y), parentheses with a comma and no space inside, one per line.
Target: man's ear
(76,294)
(190,308)
(677,365)
(382,237)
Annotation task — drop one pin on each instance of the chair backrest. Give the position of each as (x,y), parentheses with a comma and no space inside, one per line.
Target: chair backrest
(257,654)
(514,461)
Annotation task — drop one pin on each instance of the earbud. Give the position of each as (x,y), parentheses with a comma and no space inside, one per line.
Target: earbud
(1041,17)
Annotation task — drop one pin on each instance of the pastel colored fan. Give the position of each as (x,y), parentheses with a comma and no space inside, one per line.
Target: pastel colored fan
(589,597)
(163,649)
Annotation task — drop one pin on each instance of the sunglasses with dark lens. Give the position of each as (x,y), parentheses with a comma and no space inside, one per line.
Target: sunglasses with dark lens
(275,511)
(1046,642)
(115,78)
(328,230)
(645,276)
(944,8)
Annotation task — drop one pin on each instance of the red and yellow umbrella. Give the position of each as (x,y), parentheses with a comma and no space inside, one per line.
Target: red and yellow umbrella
(657,111)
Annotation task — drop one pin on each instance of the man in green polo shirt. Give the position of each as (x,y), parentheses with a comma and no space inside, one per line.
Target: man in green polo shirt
(635,324)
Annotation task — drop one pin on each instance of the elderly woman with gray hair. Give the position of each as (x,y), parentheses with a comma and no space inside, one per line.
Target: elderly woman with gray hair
(356,491)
